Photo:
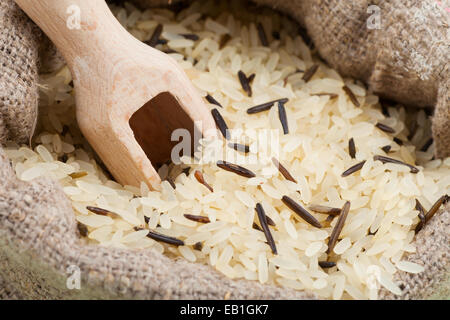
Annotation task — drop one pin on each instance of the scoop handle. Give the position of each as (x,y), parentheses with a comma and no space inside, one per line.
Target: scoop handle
(77,27)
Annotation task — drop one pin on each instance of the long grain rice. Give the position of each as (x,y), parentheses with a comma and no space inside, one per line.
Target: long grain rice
(323,112)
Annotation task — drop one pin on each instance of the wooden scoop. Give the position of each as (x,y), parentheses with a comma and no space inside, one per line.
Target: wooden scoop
(130,97)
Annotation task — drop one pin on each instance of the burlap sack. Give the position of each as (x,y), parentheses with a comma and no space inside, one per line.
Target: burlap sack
(39,241)
(403,56)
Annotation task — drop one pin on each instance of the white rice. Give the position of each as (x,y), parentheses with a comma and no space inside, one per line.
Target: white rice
(342,246)
(315,152)
(409,267)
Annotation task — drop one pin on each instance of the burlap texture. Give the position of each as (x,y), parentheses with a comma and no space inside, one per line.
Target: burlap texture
(19,43)
(432,245)
(405,60)
(38,236)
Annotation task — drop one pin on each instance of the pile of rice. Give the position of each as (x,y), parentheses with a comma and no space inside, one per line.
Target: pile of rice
(379,229)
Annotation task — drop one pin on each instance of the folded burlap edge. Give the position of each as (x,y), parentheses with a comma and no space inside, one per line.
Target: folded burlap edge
(404,59)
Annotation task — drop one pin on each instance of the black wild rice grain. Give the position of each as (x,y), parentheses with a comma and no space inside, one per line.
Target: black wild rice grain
(331,95)
(224,40)
(386,148)
(260,108)
(146,219)
(239,147)
(195,218)
(245,83)
(351,148)
(351,95)
(395,161)
(162,238)
(263,221)
(309,73)
(256,227)
(398,141)
(427,145)
(99,211)
(211,100)
(301,212)
(283,170)
(82,229)
(327,264)
(421,210)
(186,170)
(422,218)
(77,175)
(251,78)
(353,169)
(235,169)
(169,51)
(434,208)
(385,128)
(162,41)
(338,227)
(262,35)
(199,176)
(265,106)
(283,117)
(270,222)
(190,36)
(330,218)
(153,41)
(198,246)
(170,181)
(220,122)
(325,210)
